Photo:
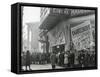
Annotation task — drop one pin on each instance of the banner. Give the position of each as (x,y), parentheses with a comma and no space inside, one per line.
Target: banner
(57,36)
(81,35)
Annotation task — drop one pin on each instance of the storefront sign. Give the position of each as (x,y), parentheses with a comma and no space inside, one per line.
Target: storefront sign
(81,35)
(71,12)
(77,12)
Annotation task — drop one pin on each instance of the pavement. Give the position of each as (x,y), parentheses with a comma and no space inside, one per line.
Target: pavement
(41,67)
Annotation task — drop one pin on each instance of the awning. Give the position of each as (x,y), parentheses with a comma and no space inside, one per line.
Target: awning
(50,21)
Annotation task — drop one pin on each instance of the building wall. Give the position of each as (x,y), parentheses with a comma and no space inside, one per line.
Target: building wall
(33,34)
(60,34)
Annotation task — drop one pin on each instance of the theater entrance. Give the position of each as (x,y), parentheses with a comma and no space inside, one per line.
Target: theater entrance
(58,48)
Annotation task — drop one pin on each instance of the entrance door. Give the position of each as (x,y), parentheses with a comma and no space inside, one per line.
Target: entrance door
(58,48)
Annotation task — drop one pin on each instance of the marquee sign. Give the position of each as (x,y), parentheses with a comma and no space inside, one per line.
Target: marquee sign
(70,12)
(81,35)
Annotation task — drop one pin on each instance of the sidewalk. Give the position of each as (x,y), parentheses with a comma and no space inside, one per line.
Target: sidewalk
(42,67)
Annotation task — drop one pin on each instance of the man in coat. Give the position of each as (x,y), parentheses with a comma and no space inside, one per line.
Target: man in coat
(28,61)
(61,58)
(53,60)
(81,58)
(72,56)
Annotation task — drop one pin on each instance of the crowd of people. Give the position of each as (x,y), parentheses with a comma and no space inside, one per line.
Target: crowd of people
(34,58)
(64,59)
(85,58)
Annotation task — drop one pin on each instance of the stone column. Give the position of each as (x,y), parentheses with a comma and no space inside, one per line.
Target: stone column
(28,37)
(67,36)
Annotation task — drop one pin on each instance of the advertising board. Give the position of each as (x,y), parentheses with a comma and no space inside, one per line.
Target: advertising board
(81,35)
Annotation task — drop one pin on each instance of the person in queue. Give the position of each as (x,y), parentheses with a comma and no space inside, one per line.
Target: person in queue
(23,59)
(72,56)
(28,60)
(61,58)
(53,60)
(81,58)
(92,58)
(69,63)
(66,59)
(87,58)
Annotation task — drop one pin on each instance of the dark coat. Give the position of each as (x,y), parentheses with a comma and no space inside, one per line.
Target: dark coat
(72,56)
(92,59)
(61,58)
(28,61)
(87,59)
(53,59)
(81,58)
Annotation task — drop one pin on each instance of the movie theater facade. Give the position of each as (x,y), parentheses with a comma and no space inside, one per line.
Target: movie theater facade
(65,29)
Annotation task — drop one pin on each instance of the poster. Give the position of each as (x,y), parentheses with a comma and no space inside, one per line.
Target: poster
(81,35)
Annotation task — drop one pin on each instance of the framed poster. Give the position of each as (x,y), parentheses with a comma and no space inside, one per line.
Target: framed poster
(52,38)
